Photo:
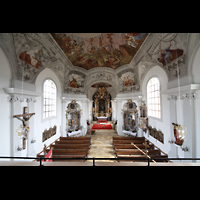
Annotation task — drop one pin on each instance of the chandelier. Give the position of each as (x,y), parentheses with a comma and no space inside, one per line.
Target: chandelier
(180,129)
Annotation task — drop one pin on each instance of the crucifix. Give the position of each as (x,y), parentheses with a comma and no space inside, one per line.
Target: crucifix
(146,146)
(25,122)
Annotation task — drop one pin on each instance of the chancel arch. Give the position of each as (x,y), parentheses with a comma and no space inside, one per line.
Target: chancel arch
(113,89)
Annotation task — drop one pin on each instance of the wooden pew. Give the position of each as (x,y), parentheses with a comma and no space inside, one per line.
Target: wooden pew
(71,146)
(69,156)
(136,152)
(75,138)
(123,149)
(128,141)
(69,153)
(128,138)
(129,146)
(143,156)
(73,142)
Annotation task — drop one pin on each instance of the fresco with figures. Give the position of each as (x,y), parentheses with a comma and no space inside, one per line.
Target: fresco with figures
(75,81)
(103,50)
(128,79)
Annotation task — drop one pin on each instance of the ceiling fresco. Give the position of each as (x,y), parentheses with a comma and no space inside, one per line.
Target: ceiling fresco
(89,50)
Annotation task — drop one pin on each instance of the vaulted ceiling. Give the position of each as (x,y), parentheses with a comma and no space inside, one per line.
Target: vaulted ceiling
(84,61)
(90,50)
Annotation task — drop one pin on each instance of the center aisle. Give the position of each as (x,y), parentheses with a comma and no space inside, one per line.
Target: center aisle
(101,144)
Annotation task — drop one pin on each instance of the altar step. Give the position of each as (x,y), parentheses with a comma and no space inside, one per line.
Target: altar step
(101,126)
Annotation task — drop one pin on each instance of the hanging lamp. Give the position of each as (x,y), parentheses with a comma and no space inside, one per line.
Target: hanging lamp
(181,131)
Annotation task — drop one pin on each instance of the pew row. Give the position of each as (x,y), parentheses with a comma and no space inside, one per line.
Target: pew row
(68,147)
(124,149)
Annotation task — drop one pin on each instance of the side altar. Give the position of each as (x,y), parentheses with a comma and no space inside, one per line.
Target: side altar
(73,116)
(130,118)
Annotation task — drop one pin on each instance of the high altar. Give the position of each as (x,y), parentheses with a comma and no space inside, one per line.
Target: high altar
(102,106)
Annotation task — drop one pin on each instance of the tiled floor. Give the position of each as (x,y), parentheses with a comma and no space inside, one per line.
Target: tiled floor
(101,144)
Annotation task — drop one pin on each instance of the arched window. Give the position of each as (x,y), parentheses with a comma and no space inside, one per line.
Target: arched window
(153,97)
(49,99)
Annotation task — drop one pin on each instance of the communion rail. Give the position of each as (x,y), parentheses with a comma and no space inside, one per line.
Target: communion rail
(94,159)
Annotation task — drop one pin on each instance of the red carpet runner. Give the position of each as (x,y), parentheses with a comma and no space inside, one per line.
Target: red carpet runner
(101,126)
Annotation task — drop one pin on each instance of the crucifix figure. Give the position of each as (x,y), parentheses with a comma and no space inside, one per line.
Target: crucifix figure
(25,121)
(146,146)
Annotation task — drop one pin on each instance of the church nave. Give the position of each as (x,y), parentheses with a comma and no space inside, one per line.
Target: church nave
(101,144)
(55,88)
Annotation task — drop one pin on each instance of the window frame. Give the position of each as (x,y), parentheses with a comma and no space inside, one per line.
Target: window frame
(150,116)
(43,104)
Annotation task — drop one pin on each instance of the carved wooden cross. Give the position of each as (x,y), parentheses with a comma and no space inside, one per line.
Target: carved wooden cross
(146,146)
(25,121)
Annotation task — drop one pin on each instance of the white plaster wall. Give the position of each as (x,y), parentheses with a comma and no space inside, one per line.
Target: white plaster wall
(40,123)
(164,123)
(5,77)
(196,79)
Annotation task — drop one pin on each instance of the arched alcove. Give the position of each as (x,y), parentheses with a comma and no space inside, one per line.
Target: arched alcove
(157,72)
(51,121)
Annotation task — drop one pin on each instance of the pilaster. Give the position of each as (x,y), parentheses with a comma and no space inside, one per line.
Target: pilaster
(119,117)
(19,100)
(189,123)
(63,116)
(140,131)
(173,119)
(84,116)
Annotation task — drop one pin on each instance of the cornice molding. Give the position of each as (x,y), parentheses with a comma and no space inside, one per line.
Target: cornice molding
(16,91)
(186,89)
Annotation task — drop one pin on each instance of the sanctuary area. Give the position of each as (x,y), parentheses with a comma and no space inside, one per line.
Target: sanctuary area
(127,98)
